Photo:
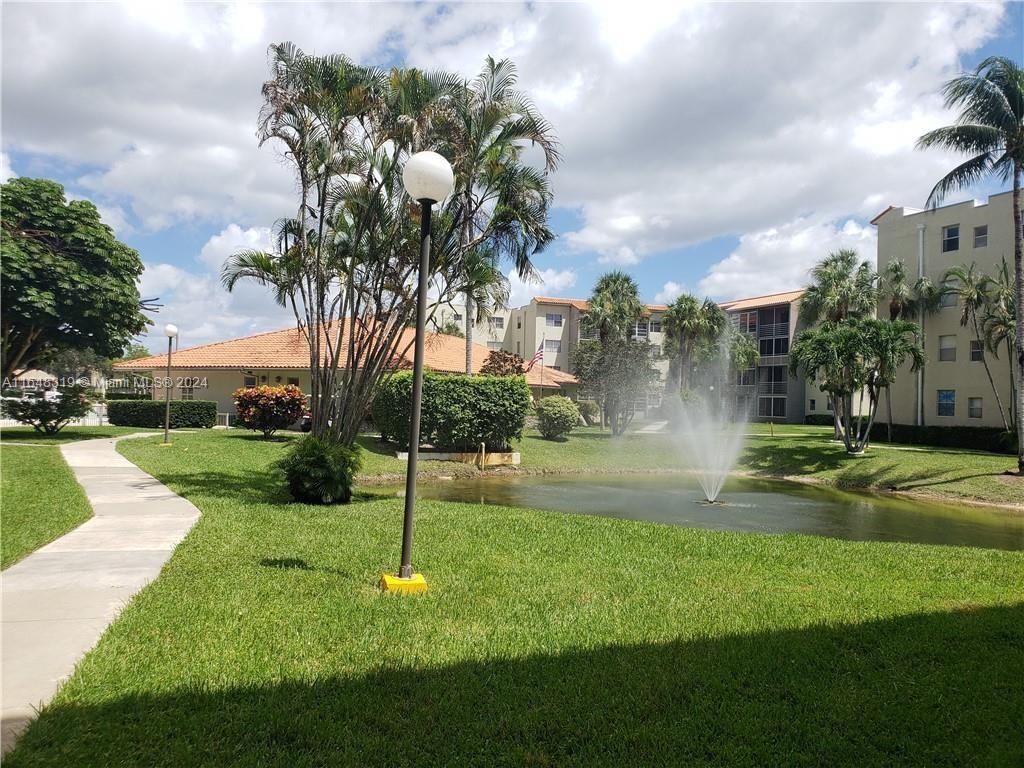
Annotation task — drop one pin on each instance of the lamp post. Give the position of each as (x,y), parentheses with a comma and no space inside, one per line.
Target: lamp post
(170,331)
(428,179)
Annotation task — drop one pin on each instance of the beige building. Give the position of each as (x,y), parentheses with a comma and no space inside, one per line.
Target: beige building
(953,388)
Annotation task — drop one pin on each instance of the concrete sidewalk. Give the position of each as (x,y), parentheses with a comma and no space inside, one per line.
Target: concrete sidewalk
(59,600)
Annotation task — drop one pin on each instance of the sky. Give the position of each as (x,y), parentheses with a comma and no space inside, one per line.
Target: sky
(718,149)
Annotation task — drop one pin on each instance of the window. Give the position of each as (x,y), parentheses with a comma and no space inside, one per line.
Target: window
(553,345)
(745,378)
(248,382)
(813,405)
(655,326)
(747,322)
(293,381)
(771,407)
(496,322)
(945,402)
(456,318)
(519,322)
(951,238)
(981,237)
(640,329)
(974,407)
(977,351)
(518,349)
(655,350)
(553,320)
(947,349)
(494,345)
(768,347)
(188,393)
(828,403)
(948,297)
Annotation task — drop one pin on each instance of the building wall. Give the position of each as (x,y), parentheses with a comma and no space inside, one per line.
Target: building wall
(218,384)
(899,230)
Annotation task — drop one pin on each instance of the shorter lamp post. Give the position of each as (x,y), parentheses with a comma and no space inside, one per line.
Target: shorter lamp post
(428,179)
(171,331)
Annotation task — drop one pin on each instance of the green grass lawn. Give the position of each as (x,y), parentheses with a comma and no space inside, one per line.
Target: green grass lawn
(39,500)
(66,435)
(545,639)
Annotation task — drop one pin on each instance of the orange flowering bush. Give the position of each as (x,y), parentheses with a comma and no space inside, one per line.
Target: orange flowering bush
(267,409)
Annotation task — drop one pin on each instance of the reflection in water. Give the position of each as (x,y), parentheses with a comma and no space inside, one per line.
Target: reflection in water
(766,506)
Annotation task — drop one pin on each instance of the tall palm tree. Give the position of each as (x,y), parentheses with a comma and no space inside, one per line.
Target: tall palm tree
(690,325)
(480,280)
(990,128)
(499,200)
(615,307)
(971,288)
(893,343)
(999,324)
(840,287)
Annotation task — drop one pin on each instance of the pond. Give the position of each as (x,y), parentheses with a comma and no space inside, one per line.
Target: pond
(763,506)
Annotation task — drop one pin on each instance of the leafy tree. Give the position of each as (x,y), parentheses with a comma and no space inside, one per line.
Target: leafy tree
(67,364)
(135,352)
(971,288)
(502,363)
(67,282)
(451,328)
(990,129)
(49,416)
(850,358)
(616,374)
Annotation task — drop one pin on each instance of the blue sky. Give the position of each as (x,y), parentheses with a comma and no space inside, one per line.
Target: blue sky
(694,159)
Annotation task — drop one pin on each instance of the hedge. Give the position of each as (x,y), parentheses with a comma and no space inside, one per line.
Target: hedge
(150,413)
(820,419)
(458,413)
(127,396)
(993,439)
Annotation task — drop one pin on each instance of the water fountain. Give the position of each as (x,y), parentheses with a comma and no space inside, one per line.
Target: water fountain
(710,437)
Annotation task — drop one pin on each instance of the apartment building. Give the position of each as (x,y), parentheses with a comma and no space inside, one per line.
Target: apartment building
(952,389)
(769,391)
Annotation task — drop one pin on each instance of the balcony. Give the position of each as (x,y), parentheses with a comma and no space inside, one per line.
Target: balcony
(773,331)
(770,360)
(773,388)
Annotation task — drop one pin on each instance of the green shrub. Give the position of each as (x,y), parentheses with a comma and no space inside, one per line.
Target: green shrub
(556,416)
(590,411)
(320,471)
(458,412)
(49,416)
(820,419)
(994,439)
(150,413)
(127,396)
(268,409)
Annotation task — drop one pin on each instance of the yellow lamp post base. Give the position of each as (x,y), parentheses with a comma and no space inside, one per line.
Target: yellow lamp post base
(165,445)
(414,585)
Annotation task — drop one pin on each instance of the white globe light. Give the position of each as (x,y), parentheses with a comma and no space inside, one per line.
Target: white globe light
(428,176)
(170,331)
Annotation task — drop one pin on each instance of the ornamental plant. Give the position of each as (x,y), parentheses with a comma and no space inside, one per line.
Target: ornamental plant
(320,471)
(502,363)
(556,416)
(267,409)
(49,416)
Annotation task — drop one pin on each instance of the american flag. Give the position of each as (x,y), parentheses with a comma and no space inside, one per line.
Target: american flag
(538,356)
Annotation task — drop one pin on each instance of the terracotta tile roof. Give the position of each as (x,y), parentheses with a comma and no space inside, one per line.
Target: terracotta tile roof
(761,301)
(286,349)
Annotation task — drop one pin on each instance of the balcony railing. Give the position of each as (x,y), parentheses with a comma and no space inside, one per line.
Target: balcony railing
(770,360)
(773,331)
(772,388)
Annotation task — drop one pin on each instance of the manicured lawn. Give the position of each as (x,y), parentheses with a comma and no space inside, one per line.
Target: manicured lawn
(66,435)
(40,500)
(545,639)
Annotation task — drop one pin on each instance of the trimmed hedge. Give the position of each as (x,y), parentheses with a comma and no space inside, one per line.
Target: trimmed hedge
(459,412)
(127,396)
(993,439)
(820,420)
(556,416)
(150,413)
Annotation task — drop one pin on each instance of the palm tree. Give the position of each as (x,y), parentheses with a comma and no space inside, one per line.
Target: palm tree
(690,326)
(990,128)
(894,342)
(1000,325)
(972,290)
(908,300)
(499,201)
(615,307)
(486,289)
(839,288)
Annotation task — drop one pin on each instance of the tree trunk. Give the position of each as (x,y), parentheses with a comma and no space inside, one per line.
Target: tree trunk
(1018,271)
(988,372)
(469,334)
(888,408)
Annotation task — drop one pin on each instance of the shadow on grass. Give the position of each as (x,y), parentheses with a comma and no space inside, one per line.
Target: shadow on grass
(793,458)
(938,689)
(298,564)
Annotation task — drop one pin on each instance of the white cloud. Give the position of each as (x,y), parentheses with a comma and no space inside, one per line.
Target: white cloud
(6,172)
(779,258)
(551,282)
(669,292)
(231,239)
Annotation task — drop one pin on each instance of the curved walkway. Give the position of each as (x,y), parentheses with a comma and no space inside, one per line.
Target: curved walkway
(58,601)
